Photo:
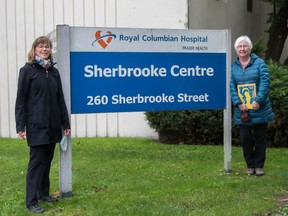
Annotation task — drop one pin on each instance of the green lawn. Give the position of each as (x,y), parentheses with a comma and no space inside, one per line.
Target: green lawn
(136,176)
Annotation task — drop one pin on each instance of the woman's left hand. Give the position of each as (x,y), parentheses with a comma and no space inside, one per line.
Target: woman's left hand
(255,105)
(66,132)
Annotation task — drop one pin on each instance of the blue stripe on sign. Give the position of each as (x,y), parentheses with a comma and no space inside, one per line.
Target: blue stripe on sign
(126,82)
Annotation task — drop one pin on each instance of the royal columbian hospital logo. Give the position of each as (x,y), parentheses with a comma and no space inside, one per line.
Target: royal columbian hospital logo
(103,40)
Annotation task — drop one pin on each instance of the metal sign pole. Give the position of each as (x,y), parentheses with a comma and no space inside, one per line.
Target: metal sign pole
(227,112)
(65,158)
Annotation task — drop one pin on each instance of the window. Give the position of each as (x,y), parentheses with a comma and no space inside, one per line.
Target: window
(250,5)
(223,1)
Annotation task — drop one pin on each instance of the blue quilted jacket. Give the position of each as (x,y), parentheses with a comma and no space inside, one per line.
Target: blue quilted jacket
(255,72)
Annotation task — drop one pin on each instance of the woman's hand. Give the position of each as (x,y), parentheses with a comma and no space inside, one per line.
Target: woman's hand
(66,132)
(255,105)
(22,135)
(243,107)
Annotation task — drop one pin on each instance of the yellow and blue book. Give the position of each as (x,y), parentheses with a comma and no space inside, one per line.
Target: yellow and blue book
(247,93)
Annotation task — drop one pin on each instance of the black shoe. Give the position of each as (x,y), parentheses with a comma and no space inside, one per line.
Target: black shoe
(35,208)
(48,199)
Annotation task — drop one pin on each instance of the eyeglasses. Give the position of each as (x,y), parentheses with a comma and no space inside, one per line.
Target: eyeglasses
(244,46)
(43,47)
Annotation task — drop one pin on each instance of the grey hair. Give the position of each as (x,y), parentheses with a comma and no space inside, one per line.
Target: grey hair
(243,38)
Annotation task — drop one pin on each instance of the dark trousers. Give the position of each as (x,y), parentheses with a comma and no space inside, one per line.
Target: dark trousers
(37,180)
(253,141)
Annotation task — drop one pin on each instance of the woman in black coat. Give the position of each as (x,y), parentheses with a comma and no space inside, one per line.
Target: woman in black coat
(41,115)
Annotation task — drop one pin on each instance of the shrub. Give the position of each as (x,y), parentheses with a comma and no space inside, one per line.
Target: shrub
(188,126)
(278,129)
(206,126)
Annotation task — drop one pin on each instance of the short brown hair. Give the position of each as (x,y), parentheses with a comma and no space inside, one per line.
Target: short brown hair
(37,41)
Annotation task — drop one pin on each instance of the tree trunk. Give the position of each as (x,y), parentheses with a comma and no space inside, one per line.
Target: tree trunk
(278,32)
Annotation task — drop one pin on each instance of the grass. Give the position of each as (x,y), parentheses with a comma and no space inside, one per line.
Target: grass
(136,176)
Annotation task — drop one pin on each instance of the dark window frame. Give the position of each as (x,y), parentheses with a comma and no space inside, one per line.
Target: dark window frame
(250,5)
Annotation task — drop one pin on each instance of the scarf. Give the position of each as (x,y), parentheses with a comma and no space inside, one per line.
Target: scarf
(44,63)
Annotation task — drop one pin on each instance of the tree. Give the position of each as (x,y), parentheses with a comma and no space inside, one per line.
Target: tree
(278,30)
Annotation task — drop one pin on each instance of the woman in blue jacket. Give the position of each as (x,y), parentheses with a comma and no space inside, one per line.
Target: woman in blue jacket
(41,115)
(250,83)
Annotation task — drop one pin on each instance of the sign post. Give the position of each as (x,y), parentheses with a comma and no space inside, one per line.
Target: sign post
(63,55)
(227,127)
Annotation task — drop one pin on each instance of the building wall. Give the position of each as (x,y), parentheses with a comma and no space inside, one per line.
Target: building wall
(24,20)
(232,14)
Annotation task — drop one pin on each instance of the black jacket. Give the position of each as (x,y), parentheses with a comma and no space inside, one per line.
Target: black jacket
(40,108)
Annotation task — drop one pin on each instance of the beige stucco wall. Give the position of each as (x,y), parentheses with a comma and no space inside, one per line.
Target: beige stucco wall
(231,14)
